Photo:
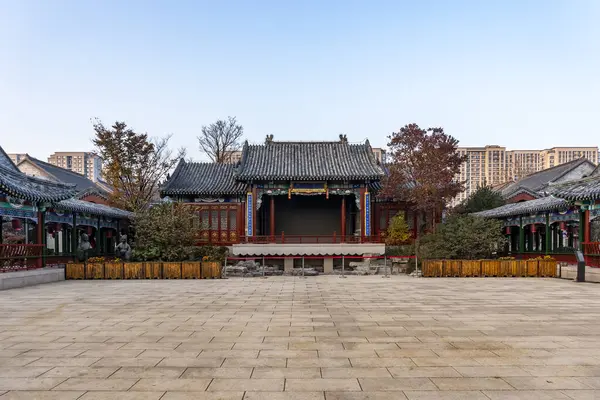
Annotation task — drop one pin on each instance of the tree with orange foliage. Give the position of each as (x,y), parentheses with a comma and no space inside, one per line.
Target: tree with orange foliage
(423,165)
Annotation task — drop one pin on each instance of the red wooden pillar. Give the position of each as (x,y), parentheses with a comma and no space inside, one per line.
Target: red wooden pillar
(362,212)
(343,230)
(586,227)
(272,217)
(253,211)
(241,221)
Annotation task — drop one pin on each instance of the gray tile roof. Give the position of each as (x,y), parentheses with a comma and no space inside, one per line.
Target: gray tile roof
(549,203)
(203,179)
(582,189)
(5,161)
(86,207)
(308,161)
(15,183)
(538,181)
(82,184)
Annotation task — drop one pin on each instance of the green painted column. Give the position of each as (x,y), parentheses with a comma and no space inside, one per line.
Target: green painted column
(521,236)
(548,238)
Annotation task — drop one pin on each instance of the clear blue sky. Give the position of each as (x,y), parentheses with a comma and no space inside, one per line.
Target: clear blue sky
(525,74)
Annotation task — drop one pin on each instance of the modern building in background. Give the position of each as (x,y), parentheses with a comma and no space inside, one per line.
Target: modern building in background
(84,163)
(17,157)
(493,165)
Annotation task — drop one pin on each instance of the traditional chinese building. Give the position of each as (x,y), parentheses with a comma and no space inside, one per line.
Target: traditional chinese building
(537,184)
(287,198)
(566,220)
(43,219)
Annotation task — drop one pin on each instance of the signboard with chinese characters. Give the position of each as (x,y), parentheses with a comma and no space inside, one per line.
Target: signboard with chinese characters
(367,214)
(249,214)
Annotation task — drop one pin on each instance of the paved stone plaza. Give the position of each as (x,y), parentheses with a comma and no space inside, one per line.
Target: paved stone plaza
(291,338)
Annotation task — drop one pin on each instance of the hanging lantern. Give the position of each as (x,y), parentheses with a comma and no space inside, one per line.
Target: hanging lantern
(16,224)
(563,226)
(109,233)
(58,227)
(508,230)
(51,229)
(90,230)
(532,228)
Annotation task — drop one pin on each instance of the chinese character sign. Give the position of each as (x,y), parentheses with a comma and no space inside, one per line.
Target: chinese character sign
(249,214)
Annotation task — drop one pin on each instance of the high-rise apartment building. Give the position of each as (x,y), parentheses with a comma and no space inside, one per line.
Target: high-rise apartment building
(84,163)
(492,165)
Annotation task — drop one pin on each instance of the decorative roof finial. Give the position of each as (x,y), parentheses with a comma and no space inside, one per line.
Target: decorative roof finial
(269,139)
(343,138)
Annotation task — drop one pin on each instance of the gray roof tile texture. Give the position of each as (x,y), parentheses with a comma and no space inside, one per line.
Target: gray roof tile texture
(333,161)
(525,207)
(583,189)
(309,161)
(537,181)
(203,179)
(82,184)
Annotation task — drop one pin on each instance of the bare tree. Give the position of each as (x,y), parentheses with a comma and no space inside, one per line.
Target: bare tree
(220,139)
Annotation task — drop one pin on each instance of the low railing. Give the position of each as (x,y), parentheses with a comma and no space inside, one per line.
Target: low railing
(311,239)
(15,257)
(490,268)
(591,251)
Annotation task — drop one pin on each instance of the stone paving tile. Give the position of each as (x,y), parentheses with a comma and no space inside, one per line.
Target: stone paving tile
(526,395)
(171,384)
(203,396)
(274,373)
(451,395)
(96,384)
(80,372)
(311,385)
(122,396)
(582,394)
(38,395)
(252,385)
(350,339)
(547,383)
(365,396)
(394,384)
(471,383)
(423,372)
(22,372)
(29,383)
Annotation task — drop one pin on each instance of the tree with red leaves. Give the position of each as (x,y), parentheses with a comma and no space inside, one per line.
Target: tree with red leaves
(423,164)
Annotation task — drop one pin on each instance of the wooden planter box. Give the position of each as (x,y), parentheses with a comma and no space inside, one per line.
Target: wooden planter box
(508,267)
(532,268)
(191,270)
(211,269)
(95,271)
(471,268)
(547,268)
(171,270)
(113,270)
(74,271)
(490,268)
(433,268)
(452,268)
(133,270)
(152,270)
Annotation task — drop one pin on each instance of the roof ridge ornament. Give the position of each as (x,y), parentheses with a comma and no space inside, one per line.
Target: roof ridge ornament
(269,139)
(343,138)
